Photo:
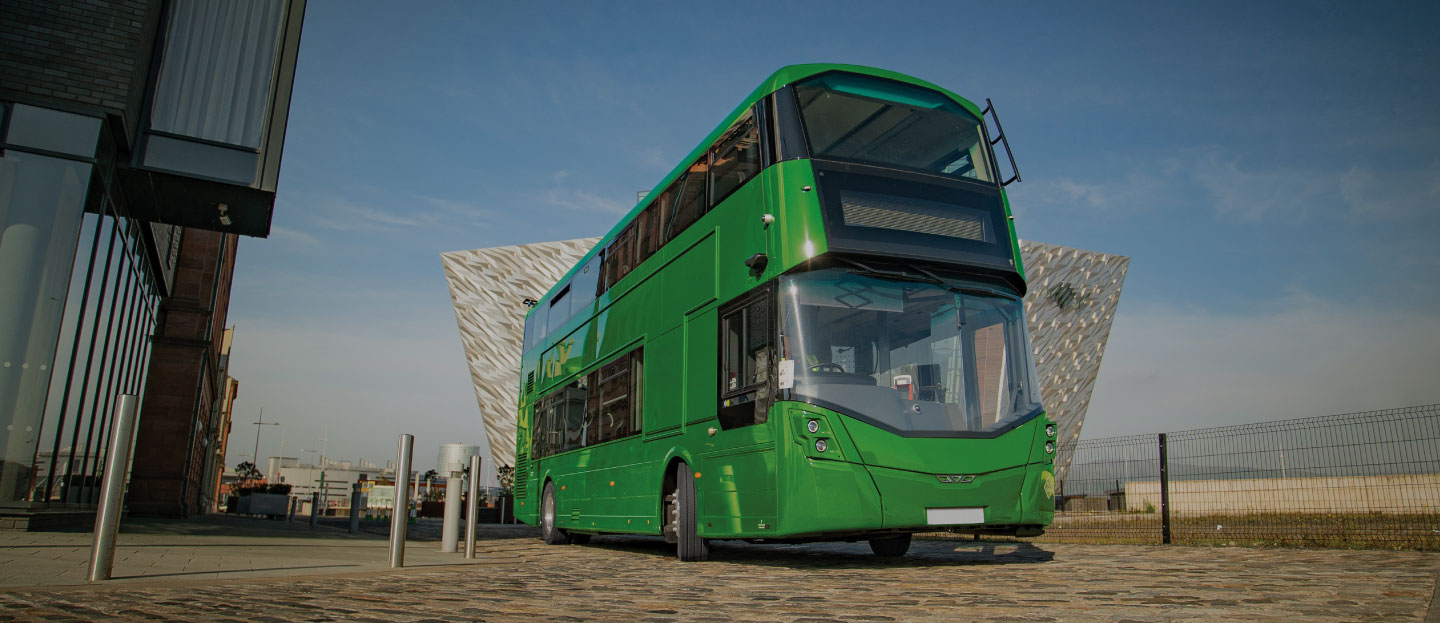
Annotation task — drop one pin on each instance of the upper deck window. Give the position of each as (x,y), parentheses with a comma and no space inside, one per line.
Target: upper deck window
(871,120)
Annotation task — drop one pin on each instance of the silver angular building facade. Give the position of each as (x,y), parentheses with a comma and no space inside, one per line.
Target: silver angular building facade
(1070,306)
(487,287)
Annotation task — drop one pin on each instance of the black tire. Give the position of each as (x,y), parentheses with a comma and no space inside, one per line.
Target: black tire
(890,546)
(580,539)
(548,531)
(689,547)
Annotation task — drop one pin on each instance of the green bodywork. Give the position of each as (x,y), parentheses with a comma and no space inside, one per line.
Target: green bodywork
(768,480)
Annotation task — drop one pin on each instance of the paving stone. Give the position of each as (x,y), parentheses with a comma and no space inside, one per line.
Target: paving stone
(633,579)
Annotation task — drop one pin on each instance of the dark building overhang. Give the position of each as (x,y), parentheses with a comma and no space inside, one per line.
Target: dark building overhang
(186,201)
(208,152)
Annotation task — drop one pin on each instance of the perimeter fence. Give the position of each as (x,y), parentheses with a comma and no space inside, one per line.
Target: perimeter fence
(1357,480)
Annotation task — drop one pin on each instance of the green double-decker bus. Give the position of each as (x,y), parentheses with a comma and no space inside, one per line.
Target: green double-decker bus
(812,329)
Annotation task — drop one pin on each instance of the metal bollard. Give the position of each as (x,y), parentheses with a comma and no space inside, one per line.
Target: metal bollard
(314,509)
(294,501)
(112,488)
(398,519)
(450,530)
(472,507)
(354,508)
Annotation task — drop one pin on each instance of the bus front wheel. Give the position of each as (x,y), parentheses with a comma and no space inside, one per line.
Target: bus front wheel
(684,518)
(548,531)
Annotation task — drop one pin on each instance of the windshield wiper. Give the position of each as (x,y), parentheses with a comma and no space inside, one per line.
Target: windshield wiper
(925,277)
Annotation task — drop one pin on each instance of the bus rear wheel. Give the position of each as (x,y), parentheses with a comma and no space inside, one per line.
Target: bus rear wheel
(548,531)
(891,546)
(684,518)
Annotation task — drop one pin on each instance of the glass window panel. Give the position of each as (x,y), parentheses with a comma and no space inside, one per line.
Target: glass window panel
(571,403)
(637,359)
(912,356)
(663,205)
(690,199)
(41,207)
(53,130)
(887,123)
(583,286)
(614,412)
(231,165)
(622,253)
(216,70)
(649,240)
(530,331)
(560,308)
(737,158)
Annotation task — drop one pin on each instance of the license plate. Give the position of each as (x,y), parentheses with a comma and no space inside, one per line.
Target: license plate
(954,516)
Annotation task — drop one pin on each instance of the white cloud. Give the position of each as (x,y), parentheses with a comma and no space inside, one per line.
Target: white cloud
(1233,188)
(295,236)
(654,158)
(1390,193)
(582,201)
(1171,369)
(1252,193)
(345,216)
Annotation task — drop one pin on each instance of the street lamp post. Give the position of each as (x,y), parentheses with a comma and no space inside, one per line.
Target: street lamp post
(258,424)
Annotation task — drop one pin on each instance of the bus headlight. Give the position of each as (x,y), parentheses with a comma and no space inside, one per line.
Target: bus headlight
(1049,430)
(1049,447)
(813,426)
(820,444)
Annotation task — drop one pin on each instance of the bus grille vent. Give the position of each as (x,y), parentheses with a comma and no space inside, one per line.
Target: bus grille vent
(861,209)
(530,382)
(522,475)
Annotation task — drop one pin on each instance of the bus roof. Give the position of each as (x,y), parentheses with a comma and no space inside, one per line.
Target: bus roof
(784,76)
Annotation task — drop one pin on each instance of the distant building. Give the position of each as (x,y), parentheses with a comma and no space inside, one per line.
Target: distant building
(218,437)
(334,485)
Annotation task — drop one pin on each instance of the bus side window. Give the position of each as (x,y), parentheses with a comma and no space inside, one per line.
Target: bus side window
(624,257)
(530,331)
(745,362)
(650,241)
(690,200)
(737,158)
(614,403)
(585,287)
(560,307)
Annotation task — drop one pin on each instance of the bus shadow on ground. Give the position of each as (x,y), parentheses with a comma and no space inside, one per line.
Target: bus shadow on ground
(844,555)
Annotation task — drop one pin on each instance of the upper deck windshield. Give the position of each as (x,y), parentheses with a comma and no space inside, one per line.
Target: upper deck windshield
(913,357)
(871,120)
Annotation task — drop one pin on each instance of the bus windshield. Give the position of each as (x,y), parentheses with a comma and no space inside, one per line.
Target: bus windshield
(870,120)
(911,357)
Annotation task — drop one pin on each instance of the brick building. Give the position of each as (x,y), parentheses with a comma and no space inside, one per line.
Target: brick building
(139,140)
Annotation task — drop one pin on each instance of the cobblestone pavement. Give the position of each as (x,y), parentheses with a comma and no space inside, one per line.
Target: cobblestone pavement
(628,579)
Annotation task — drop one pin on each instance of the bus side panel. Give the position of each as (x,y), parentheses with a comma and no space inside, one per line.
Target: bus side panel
(737,490)
(689,282)
(700,363)
(738,219)
(661,403)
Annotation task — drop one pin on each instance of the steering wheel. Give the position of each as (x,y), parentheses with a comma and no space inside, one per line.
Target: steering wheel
(827,367)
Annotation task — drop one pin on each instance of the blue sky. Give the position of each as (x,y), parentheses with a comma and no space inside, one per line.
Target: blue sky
(1272,169)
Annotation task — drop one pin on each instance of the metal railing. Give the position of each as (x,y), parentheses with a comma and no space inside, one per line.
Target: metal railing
(1358,480)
